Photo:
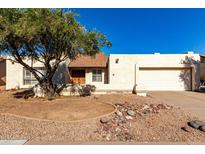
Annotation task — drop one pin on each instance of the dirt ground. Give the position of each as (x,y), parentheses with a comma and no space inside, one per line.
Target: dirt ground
(152,128)
(62,108)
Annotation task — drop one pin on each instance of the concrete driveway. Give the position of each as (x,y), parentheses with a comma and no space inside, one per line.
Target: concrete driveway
(193,102)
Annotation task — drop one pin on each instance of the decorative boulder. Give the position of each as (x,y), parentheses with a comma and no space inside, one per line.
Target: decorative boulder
(202,128)
(128,117)
(38,91)
(196,124)
(91,87)
(104,120)
(119,113)
(186,129)
(131,113)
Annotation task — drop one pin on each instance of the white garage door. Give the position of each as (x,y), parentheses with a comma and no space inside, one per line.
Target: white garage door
(165,79)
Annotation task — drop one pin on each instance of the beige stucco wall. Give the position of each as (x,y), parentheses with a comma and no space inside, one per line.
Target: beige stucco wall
(124,74)
(14,74)
(121,76)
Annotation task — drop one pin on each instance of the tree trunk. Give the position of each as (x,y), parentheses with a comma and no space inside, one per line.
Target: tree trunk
(48,88)
(47,84)
(50,92)
(45,80)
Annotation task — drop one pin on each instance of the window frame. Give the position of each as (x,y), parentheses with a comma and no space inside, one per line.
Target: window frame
(97,75)
(30,79)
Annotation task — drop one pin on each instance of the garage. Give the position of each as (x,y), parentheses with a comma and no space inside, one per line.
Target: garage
(178,79)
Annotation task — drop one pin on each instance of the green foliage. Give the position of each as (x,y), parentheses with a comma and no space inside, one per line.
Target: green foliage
(46,35)
(32,32)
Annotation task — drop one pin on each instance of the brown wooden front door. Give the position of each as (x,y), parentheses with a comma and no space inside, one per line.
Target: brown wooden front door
(78,76)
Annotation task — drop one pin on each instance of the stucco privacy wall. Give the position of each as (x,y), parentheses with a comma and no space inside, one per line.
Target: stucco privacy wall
(124,68)
(14,74)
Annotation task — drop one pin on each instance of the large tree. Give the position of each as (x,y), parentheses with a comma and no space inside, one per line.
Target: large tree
(49,36)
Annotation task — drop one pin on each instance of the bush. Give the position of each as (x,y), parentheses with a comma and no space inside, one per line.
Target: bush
(87,89)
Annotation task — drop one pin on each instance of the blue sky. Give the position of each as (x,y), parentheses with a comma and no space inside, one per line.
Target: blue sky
(148,30)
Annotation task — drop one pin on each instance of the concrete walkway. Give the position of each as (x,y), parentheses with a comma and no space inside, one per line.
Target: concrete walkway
(193,102)
(12,142)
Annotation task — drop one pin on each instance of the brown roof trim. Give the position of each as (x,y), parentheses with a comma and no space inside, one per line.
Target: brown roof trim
(87,66)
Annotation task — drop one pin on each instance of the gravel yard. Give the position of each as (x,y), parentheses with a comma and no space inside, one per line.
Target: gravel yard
(77,120)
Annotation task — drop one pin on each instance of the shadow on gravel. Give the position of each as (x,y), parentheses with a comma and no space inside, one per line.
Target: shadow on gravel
(24,94)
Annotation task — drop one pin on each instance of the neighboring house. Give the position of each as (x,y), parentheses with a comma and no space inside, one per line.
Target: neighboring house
(119,72)
(2,73)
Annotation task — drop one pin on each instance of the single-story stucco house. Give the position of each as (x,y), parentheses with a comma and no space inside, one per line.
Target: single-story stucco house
(120,72)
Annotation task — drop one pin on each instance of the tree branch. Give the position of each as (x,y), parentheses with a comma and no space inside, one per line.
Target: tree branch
(18,58)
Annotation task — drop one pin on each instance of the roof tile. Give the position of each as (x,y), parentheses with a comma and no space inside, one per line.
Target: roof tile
(99,60)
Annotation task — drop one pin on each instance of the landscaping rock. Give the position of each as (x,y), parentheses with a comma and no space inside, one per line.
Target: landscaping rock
(153,108)
(145,107)
(104,120)
(128,117)
(139,113)
(196,124)
(119,126)
(186,129)
(202,128)
(119,113)
(131,113)
(108,136)
(168,107)
(193,125)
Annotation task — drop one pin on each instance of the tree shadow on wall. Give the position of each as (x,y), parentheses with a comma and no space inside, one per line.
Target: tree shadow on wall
(186,74)
(61,74)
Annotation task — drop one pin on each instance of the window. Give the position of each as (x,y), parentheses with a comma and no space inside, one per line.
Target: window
(97,76)
(28,78)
